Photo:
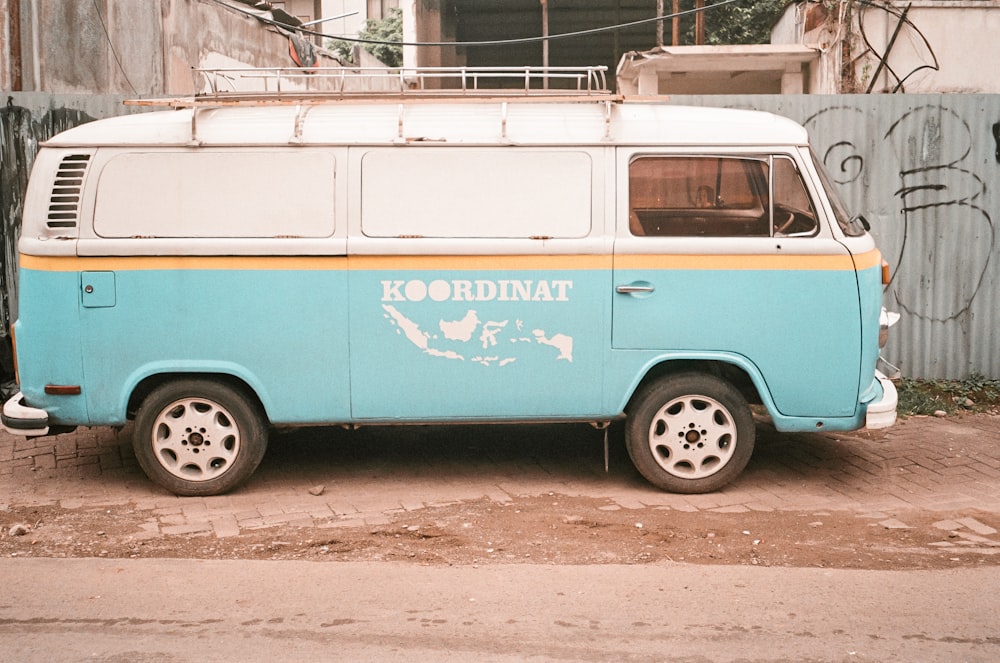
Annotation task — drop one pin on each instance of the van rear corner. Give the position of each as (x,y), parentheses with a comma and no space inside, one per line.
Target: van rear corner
(881,410)
(22,420)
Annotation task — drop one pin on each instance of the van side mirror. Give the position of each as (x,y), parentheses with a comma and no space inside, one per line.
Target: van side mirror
(864,222)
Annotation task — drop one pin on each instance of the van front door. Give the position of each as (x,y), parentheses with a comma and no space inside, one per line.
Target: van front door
(724,255)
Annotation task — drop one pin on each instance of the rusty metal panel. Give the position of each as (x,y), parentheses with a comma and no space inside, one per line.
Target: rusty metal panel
(925,171)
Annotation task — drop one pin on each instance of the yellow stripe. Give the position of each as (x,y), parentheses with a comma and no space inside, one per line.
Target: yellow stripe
(868,260)
(454,263)
(145,263)
(301,263)
(458,263)
(736,262)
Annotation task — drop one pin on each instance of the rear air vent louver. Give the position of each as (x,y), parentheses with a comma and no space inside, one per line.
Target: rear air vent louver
(64,206)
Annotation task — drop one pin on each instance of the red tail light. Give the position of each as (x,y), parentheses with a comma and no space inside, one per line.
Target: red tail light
(62,389)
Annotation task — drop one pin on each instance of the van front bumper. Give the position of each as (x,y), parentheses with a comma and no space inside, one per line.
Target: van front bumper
(882,412)
(19,419)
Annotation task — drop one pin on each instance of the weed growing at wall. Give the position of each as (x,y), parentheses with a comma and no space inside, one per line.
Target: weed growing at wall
(973,394)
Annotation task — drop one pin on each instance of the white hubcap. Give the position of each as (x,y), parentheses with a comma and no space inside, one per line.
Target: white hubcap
(692,437)
(195,439)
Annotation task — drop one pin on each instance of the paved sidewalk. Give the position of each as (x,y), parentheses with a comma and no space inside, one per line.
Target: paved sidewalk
(921,464)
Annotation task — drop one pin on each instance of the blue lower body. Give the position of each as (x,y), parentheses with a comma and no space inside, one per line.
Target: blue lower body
(342,345)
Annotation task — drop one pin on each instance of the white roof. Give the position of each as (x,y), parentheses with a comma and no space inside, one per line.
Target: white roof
(455,122)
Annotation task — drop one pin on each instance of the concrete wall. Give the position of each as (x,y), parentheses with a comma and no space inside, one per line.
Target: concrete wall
(944,47)
(424,21)
(90,47)
(140,49)
(961,36)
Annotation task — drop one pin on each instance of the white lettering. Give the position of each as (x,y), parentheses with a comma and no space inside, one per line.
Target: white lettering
(481,290)
(504,291)
(462,291)
(440,291)
(390,291)
(522,291)
(542,292)
(561,288)
(415,291)
(486,291)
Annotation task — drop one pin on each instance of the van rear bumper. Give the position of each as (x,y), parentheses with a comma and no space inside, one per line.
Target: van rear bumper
(19,419)
(882,412)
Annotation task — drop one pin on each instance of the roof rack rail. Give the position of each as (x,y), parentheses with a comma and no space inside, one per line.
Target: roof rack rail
(277,83)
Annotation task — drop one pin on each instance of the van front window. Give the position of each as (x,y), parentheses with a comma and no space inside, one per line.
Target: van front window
(718,196)
(851,225)
(690,196)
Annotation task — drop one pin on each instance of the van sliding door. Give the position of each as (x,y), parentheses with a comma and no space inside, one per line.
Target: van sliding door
(476,288)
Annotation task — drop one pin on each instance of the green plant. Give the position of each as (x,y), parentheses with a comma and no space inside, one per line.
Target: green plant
(345,49)
(975,393)
(748,23)
(388,32)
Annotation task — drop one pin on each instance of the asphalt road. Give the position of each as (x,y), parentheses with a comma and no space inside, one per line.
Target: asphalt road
(194,610)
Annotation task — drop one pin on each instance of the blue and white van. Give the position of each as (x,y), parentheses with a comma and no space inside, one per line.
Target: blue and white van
(214,271)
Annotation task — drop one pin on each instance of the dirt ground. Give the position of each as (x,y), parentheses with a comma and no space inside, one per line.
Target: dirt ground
(544,530)
(552,529)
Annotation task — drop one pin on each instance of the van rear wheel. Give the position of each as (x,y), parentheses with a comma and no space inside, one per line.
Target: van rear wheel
(199,437)
(690,433)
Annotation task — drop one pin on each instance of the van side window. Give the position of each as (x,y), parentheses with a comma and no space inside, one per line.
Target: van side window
(698,196)
(794,213)
(476,193)
(217,193)
(725,196)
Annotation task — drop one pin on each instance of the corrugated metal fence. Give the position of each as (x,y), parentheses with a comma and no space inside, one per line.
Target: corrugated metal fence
(924,170)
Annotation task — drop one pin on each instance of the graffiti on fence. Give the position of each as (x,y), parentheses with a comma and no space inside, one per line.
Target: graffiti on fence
(943,198)
(946,237)
(843,159)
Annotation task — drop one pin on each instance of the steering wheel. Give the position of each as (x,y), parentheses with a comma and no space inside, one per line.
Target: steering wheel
(781,227)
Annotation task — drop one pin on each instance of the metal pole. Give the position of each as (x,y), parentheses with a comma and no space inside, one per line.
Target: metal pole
(659,24)
(545,44)
(328,18)
(676,23)
(699,23)
(13,9)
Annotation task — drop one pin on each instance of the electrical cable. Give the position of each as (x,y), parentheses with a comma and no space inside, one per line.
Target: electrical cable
(491,42)
(100,18)
(889,9)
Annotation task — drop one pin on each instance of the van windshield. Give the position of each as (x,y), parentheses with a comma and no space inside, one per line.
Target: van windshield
(852,226)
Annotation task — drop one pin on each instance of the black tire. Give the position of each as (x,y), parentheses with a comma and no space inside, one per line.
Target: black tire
(199,437)
(690,433)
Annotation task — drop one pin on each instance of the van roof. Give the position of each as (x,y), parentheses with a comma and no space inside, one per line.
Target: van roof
(462,121)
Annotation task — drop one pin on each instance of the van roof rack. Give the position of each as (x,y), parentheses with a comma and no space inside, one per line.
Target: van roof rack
(237,85)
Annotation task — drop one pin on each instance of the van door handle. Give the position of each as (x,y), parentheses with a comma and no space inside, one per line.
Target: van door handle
(634,287)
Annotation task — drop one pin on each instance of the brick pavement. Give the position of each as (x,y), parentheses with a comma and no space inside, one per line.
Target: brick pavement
(922,464)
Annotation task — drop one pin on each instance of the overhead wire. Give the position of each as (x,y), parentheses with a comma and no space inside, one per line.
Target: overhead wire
(889,9)
(488,42)
(111,46)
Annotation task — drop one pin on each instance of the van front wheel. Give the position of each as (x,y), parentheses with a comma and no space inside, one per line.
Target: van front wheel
(198,437)
(690,433)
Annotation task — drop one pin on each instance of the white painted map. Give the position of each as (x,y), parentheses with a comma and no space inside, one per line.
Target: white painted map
(488,339)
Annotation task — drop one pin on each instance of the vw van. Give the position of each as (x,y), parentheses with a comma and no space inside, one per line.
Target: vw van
(217,270)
